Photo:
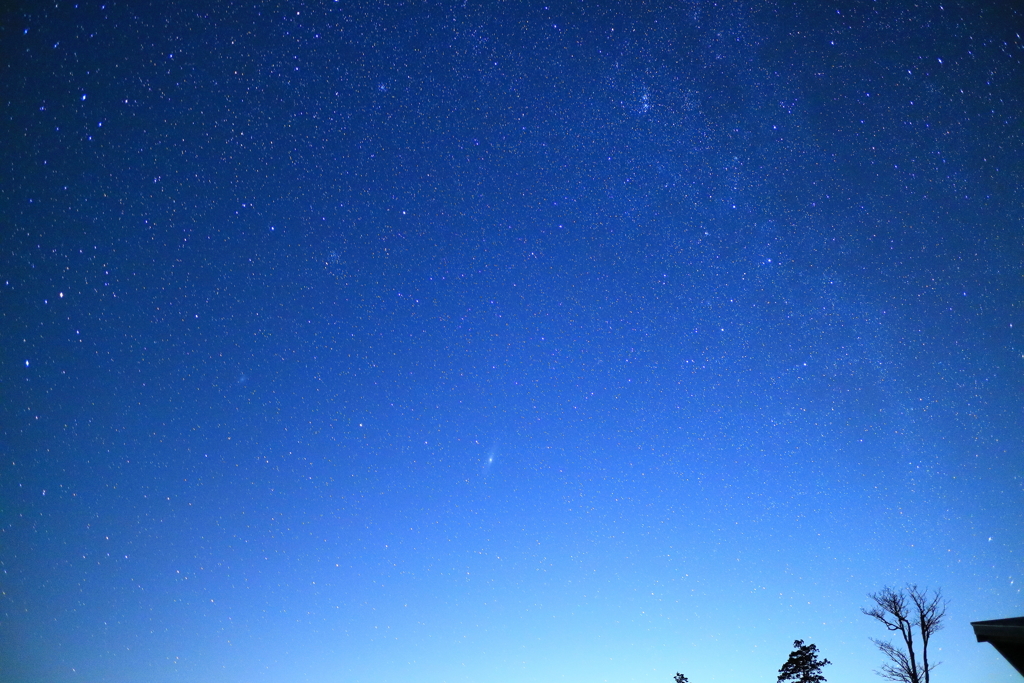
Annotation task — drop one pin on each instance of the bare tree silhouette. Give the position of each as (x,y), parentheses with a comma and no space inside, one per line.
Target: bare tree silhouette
(909,611)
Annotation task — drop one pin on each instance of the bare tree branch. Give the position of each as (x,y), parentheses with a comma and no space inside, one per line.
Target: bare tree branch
(899,670)
(907,611)
(930,613)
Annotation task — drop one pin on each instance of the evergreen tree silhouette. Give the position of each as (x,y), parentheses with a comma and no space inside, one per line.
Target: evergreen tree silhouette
(803,665)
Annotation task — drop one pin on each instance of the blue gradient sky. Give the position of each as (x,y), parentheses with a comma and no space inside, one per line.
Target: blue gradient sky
(505,342)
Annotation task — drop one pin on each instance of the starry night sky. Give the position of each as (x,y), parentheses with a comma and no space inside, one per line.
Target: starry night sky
(461,341)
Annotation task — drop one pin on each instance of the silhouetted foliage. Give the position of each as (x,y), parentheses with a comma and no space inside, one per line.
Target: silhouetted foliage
(905,611)
(803,665)
(680,678)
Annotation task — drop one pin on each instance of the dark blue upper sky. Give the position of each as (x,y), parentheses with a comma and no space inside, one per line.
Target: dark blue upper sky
(505,341)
